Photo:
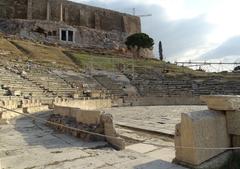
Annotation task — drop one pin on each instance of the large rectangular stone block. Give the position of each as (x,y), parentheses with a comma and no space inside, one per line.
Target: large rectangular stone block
(233,122)
(203,129)
(87,116)
(222,102)
(61,110)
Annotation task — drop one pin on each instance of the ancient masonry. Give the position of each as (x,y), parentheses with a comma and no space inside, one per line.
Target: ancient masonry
(205,139)
(67,22)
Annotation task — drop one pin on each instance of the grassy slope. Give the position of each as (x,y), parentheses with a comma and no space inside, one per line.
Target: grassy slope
(106,62)
(44,54)
(6,46)
(63,58)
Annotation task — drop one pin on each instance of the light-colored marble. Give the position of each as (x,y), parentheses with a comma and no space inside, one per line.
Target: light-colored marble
(161,119)
(27,144)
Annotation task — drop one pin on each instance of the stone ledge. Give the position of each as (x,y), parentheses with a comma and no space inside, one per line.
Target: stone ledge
(213,163)
(222,102)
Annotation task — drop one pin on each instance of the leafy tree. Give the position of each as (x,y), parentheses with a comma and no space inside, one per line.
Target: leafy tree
(138,41)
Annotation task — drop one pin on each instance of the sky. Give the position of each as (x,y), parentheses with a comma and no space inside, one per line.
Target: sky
(200,30)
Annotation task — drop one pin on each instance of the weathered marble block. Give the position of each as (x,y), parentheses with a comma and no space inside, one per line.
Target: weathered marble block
(63,111)
(204,129)
(233,122)
(222,102)
(88,116)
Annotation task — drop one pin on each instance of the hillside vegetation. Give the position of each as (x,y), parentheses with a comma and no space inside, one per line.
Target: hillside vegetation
(53,56)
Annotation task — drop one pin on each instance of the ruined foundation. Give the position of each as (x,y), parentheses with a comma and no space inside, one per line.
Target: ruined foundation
(93,121)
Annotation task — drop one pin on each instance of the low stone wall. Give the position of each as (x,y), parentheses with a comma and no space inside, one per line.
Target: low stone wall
(19,105)
(92,104)
(89,120)
(31,103)
(203,136)
(154,101)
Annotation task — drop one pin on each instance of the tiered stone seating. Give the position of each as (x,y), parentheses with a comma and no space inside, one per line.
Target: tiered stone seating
(212,86)
(13,84)
(82,82)
(3,92)
(50,82)
(151,83)
(114,87)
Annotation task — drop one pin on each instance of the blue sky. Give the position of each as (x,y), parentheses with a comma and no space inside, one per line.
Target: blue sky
(189,29)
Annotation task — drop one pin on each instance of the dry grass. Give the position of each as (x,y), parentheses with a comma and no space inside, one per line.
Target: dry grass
(43,54)
(11,51)
(112,63)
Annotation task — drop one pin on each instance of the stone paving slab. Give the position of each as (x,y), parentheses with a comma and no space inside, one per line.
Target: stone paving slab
(25,145)
(161,119)
(165,154)
(142,148)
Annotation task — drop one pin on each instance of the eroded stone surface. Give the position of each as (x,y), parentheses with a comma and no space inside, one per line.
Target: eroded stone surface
(88,120)
(222,102)
(161,119)
(142,148)
(233,122)
(24,144)
(203,129)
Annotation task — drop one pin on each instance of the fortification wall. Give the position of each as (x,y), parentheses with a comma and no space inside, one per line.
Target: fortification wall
(13,9)
(49,31)
(71,13)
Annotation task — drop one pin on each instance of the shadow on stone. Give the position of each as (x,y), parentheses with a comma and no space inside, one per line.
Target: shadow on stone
(36,133)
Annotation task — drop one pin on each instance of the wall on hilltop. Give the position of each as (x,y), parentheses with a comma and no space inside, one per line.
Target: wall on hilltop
(13,9)
(71,13)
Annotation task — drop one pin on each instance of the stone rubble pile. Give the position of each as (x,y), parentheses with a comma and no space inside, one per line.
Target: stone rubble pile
(204,136)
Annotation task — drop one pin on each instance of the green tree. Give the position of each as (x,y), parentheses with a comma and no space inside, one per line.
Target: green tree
(138,41)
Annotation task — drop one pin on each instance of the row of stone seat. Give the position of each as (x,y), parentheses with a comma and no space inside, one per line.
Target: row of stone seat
(50,82)
(157,84)
(15,85)
(114,87)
